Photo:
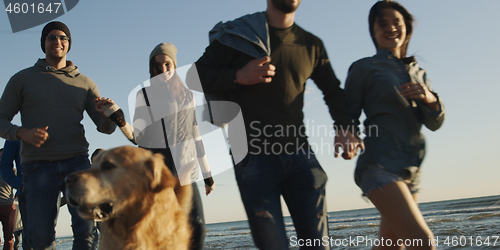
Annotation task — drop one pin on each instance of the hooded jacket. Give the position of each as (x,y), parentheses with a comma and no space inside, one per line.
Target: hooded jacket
(56,98)
(393,122)
(248,34)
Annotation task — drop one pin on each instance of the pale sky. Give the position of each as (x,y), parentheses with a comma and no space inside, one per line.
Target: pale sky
(454,40)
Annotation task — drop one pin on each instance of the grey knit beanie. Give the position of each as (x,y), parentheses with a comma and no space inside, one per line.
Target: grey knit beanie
(167,49)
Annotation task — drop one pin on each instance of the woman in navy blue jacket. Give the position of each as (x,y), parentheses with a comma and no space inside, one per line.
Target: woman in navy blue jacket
(396,97)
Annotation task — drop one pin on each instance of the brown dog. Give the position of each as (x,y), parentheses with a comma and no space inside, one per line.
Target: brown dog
(132,192)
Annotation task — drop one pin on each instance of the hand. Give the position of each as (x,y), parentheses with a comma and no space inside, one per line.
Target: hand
(349,144)
(256,71)
(415,90)
(34,136)
(209,189)
(102,104)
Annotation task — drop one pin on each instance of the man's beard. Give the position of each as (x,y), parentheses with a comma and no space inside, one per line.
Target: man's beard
(284,6)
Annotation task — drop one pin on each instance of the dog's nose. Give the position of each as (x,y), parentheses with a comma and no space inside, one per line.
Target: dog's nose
(70,178)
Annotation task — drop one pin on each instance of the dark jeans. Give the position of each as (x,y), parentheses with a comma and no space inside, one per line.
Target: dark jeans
(197,221)
(299,178)
(8,218)
(24,219)
(43,183)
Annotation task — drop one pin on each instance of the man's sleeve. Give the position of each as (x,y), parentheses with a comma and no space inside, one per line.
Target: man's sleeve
(215,69)
(10,104)
(327,82)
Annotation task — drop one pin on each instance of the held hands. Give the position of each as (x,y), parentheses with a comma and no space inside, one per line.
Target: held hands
(34,136)
(102,104)
(349,143)
(256,71)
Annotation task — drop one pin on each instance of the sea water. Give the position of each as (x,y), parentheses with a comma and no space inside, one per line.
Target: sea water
(472,223)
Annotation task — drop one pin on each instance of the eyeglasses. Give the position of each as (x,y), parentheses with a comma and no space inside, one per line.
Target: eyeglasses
(54,37)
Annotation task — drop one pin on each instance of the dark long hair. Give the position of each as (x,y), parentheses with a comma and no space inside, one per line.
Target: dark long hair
(376,12)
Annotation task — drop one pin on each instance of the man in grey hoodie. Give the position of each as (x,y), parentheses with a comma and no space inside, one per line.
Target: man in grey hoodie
(51,97)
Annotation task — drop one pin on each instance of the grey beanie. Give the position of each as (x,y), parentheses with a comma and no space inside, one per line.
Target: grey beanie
(167,49)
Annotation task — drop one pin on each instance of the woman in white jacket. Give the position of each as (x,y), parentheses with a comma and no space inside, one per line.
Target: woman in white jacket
(165,122)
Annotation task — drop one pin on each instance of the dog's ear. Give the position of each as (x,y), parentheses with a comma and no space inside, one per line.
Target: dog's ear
(159,174)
